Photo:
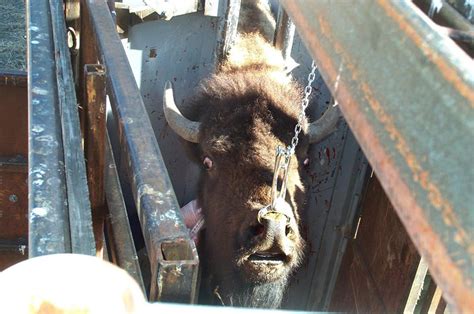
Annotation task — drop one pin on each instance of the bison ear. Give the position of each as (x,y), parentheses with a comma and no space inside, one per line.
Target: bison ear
(208,163)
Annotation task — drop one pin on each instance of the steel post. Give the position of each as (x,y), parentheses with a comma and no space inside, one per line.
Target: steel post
(120,244)
(173,256)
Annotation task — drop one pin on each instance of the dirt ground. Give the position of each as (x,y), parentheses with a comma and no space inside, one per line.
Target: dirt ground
(12,35)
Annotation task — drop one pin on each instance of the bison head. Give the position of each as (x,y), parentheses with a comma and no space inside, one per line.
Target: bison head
(238,119)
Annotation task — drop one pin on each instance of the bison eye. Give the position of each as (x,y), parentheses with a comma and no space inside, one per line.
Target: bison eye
(306,162)
(207,163)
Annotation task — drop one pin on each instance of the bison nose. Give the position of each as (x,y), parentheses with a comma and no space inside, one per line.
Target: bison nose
(276,230)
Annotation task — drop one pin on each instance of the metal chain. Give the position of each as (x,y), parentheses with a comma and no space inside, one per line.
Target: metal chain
(290,150)
(283,158)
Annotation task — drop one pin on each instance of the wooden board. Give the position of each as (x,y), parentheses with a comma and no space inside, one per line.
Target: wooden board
(379,265)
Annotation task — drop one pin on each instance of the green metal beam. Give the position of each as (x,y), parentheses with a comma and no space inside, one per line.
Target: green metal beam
(407,93)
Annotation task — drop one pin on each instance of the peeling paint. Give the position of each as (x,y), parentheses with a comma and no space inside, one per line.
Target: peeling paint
(39,90)
(39,212)
(37,128)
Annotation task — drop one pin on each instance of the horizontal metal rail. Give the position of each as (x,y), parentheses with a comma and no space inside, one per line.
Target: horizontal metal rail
(173,256)
(407,93)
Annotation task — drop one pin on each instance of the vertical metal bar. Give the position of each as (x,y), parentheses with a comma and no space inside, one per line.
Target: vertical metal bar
(94,144)
(284,33)
(80,220)
(173,256)
(48,216)
(227,29)
(120,241)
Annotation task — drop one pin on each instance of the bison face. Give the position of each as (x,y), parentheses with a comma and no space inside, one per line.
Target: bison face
(243,254)
(239,118)
(232,195)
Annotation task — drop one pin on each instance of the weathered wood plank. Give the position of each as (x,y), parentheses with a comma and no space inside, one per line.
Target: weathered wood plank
(382,256)
(94,145)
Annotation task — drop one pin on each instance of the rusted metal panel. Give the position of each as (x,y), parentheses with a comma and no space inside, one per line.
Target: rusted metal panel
(14,114)
(120,244)
(94,145)
(167,239)
(403,87)
(48,217)
(13,211)
(13,168)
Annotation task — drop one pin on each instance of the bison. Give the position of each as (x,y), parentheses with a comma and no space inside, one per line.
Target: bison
(237,119)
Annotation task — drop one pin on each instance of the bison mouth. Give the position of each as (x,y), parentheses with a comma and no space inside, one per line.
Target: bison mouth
(266,266)
(272,258)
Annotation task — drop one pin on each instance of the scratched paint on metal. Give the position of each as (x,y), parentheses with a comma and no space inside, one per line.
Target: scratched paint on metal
(48,221)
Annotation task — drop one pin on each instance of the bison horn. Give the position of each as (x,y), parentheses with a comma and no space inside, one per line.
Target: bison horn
(187,129)
(325,125)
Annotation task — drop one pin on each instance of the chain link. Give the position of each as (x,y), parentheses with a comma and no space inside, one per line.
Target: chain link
(290,150)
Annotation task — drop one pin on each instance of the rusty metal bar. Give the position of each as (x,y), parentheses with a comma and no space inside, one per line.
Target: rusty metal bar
(80,219)
(407,93)
(48,216)
(94,145)
(173,256)
(120,241)
(284,33)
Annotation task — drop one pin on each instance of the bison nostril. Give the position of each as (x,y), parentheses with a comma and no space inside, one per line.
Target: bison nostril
(257,229)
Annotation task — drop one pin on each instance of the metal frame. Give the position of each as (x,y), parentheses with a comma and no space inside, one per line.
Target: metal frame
(422,160)
(121,247)
(59,217)
(173,256)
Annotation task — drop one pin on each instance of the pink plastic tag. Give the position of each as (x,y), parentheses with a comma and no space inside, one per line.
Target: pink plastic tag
(193,219)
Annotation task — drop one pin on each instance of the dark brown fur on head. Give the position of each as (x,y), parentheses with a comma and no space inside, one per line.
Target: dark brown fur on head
(245,115)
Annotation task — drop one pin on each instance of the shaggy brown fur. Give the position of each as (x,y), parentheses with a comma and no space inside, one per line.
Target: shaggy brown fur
(245,116)
(247,109)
